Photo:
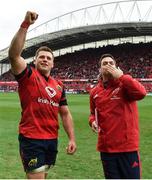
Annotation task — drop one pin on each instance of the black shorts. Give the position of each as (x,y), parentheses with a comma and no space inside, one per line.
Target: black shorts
(37,153)
(121,165)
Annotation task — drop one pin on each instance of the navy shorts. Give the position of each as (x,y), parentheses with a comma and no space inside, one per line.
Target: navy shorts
(121,165)
(37,153)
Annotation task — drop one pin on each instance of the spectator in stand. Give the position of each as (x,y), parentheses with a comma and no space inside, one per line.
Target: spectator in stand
(83,64)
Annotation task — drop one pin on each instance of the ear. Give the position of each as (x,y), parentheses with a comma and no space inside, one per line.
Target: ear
(100,71)
(34,60)
(52,65)
(100,74)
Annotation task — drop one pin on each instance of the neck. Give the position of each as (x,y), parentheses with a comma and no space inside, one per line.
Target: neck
(107,77)
(44,73)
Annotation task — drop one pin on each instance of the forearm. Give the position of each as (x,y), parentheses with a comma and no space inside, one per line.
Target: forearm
(17,44)
(92,111)
(18,41)
(17,62)
(68,126)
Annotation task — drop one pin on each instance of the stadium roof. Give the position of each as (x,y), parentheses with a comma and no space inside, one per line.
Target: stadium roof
(90,24)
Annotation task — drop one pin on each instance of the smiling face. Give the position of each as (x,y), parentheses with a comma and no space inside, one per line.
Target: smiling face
(44,62)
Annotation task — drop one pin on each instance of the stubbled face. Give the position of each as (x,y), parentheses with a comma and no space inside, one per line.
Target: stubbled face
(104,64)
(44,62)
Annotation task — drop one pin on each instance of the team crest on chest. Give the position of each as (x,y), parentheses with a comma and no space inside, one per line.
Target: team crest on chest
(51,92)
(59,87)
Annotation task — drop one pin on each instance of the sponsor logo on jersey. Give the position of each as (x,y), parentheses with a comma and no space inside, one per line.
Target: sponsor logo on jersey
(47,101)
(114,97)
(115,94)
(115,91)
(50,91)
(95,96)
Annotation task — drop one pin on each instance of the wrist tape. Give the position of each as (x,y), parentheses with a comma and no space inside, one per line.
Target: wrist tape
(25,24)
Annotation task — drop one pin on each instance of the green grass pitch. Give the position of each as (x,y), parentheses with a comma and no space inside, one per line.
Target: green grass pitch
(85,164)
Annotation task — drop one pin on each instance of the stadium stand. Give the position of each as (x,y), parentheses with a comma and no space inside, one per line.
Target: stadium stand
(135,59)
(79,70)
(92,29)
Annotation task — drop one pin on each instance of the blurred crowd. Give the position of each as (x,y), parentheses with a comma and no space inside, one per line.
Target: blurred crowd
(133,59)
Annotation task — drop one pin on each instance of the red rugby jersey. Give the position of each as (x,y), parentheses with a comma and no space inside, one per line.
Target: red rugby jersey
(40,100)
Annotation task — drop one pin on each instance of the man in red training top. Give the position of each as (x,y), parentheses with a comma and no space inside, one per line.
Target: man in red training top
(42,98)
(114,115)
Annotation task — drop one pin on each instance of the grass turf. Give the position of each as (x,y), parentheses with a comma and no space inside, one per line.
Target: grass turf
(85,164)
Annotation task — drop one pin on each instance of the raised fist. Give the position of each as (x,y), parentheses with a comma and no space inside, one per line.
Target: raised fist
(31,17)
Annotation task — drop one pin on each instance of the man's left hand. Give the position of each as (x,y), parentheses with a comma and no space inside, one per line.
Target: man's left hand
(114,71)
(71,148)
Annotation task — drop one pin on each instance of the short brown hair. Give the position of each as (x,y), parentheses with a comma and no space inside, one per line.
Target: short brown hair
(104,56)
(44,48)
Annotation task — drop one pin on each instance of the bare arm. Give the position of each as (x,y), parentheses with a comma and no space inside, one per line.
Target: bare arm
(92,117)
(69,128)
(17,62)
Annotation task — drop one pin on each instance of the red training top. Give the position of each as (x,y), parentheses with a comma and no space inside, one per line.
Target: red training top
(115,110)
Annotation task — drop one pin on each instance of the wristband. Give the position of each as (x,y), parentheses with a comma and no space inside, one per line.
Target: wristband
(25,24)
